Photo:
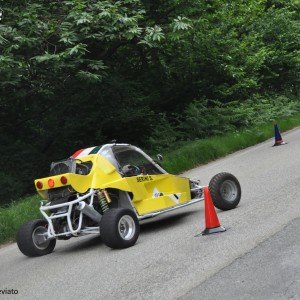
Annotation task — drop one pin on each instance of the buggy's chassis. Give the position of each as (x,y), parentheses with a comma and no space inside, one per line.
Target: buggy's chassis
(51,234)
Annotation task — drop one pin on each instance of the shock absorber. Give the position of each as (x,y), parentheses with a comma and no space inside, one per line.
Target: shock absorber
(103,201)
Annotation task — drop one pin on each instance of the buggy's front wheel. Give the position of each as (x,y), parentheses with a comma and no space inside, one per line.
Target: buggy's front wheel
(225,190)
(32,239)
(119,228)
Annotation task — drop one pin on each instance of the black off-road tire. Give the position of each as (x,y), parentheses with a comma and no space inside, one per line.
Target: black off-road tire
(111,226)
(225,190)
(26,241)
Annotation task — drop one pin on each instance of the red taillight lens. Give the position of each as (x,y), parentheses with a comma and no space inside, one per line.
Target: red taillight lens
(63,180)
(51,183)
(39,185)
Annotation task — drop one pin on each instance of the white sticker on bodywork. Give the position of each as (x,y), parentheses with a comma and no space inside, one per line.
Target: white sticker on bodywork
(175,198)
(156,193)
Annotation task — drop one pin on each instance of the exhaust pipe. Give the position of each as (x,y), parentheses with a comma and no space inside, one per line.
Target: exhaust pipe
(89,211)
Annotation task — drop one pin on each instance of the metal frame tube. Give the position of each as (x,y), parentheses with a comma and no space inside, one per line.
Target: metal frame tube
(151,215)
(72,231)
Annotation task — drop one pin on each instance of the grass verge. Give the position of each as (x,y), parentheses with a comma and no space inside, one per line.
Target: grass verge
(203,151)
(17,213)
(186,157)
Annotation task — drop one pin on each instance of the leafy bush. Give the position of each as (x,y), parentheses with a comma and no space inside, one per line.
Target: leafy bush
(202,119)
(81,73)
(164,135)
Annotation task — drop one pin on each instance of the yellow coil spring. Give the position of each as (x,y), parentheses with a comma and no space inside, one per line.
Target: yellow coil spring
(103,202)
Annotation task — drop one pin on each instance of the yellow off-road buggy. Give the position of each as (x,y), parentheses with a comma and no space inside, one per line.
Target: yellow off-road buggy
(108,190)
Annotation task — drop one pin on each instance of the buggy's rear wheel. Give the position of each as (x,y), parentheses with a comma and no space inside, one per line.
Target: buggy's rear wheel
(119,228)
(225,190)
(32,240)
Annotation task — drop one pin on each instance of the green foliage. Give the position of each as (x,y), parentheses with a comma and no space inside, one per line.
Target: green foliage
(202,119)
(164,135)
(13,216)
(197,152)
(80,73)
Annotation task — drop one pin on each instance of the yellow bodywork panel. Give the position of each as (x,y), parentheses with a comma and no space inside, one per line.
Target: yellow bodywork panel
(150,192)
(157,192)
(102,175)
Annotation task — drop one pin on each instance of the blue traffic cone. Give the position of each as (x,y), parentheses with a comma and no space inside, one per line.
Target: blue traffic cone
(278,138)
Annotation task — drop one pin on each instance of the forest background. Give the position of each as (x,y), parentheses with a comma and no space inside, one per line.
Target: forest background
(158,74)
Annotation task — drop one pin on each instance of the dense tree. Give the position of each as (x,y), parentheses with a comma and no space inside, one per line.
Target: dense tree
(81,72)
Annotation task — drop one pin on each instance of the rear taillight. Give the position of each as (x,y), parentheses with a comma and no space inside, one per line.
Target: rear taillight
(63,180)
(39,185)
(51,183)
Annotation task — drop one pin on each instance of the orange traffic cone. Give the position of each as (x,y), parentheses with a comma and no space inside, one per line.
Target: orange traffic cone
(212,224)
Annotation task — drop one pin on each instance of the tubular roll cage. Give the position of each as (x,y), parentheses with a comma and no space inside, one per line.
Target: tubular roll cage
(89,230)
(69,205)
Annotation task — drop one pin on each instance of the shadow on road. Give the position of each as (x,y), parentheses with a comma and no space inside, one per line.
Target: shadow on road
(147,227)
(87,244)
(165,222)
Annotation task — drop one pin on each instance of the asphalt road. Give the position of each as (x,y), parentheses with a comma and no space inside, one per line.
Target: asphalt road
(168,261)
(269,271)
